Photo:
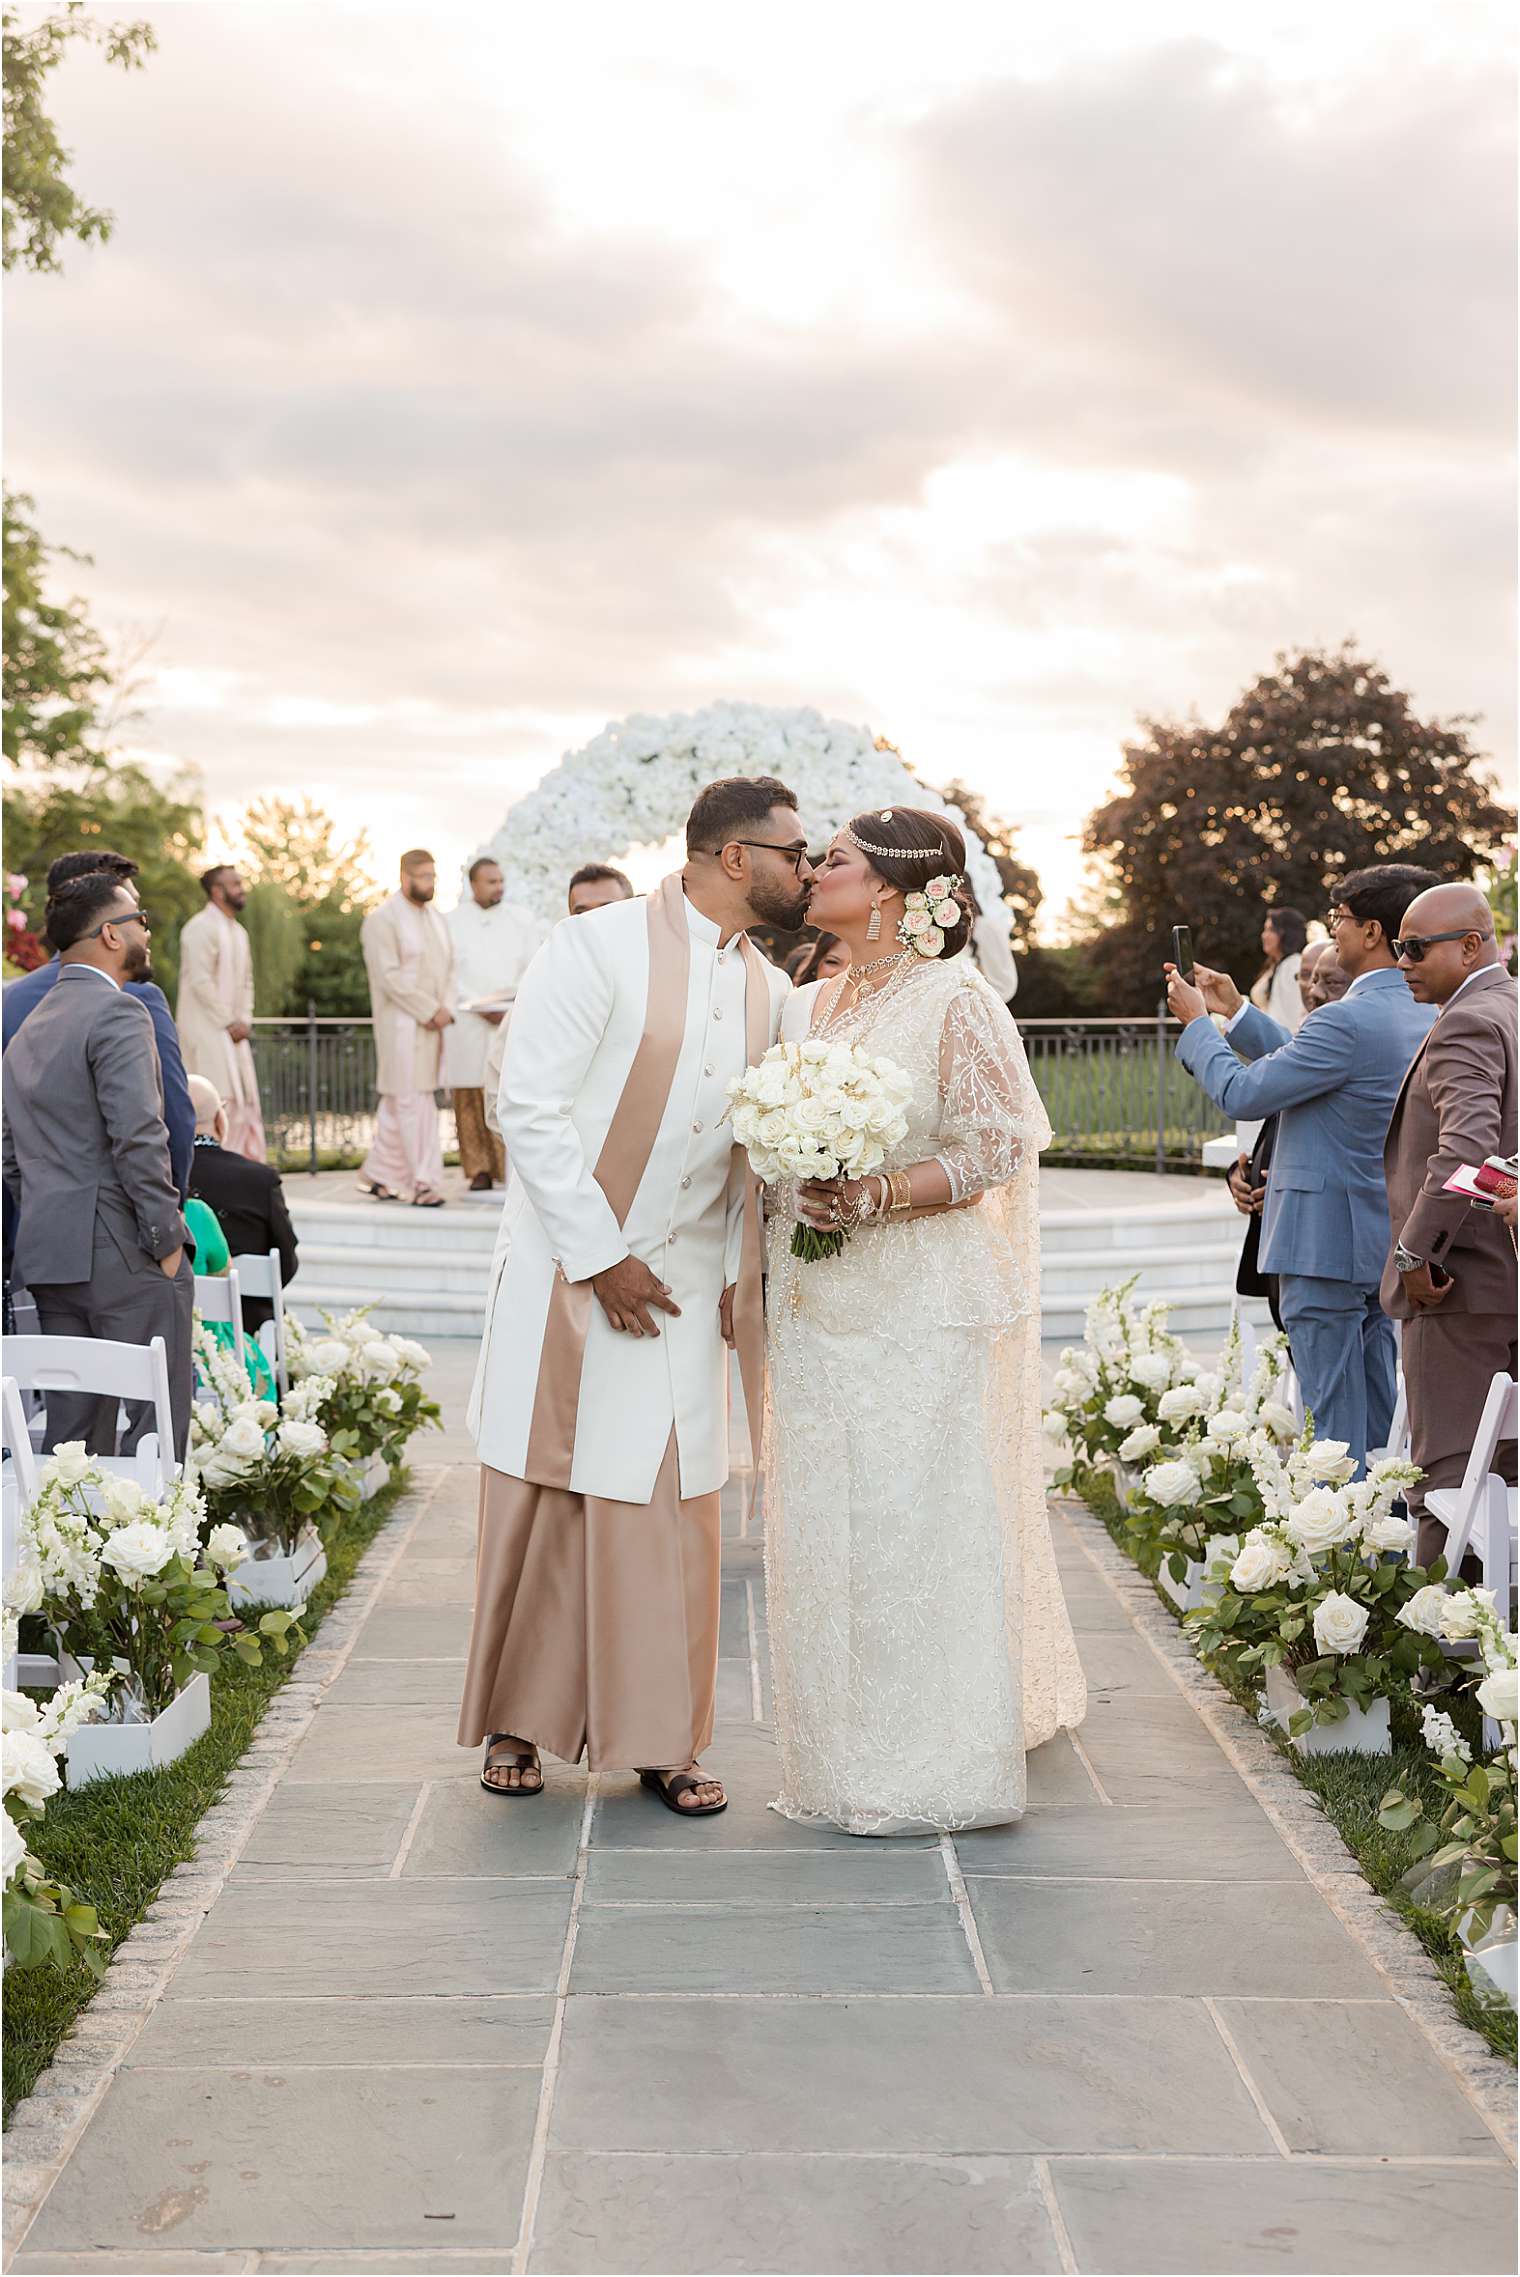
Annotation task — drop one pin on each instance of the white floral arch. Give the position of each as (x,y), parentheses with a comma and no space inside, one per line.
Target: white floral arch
(633,785)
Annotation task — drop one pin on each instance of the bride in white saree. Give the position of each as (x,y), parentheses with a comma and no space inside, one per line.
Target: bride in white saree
(920,1642)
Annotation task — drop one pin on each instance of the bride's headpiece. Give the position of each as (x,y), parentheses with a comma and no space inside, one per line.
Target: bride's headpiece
(894,853)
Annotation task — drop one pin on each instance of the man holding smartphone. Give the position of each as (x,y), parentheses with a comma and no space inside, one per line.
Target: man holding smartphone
(1324,1227)
(1451,1276)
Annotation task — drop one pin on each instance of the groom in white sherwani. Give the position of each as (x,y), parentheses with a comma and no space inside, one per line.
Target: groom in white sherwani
(629,1255)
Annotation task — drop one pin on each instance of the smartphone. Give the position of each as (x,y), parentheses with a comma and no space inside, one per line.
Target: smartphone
(1182,950)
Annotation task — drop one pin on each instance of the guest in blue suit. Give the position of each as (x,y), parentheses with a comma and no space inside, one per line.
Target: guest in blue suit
(20,997)
(1324,1229)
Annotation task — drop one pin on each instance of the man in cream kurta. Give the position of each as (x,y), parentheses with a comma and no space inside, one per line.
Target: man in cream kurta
(214,1009)
(494,943)
(410,962)
(628,1250)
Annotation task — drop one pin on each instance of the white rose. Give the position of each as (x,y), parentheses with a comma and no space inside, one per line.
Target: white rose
(1339,1623)
(138,1550)
(946,914)
(25,1589)
(917,922)
(1124,1411)
(1262,1562)
(1497,1695)
(123,1499)
(1172,1486)
(1330,1460)
(227,1546)
(930,941)
(388,1401)
(12,1849)
(1465,1613)
(30,1772)
(1277,1419)
(242,1441)
(1152,1369)
(302,1440)
(1388,1532)
(68,1464)
(1178,1404)
(1139,1444)
(328,1356)
(1053,1424)
(17,1712)
(1208,1387)
(1228,1426)
(1423,1611)
(1320,1520)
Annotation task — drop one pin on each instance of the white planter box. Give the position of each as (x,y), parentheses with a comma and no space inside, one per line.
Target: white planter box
(375,1474)
(1197,1587)
(109,1751)
(280,1580)
(1491,1966)
(1360,1732)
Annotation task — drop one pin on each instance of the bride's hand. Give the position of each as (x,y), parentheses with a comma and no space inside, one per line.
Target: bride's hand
(821,1200)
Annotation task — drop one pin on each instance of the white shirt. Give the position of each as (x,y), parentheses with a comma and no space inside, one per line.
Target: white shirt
(492,950)
(65,970)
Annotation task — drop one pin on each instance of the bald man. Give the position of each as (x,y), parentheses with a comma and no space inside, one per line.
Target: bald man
(1451,1278)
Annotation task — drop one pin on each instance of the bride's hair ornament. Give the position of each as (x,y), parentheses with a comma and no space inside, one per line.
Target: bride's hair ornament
(929,915)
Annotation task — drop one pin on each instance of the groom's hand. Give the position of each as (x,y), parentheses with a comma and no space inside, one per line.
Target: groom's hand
(629,1294)
(726,1315)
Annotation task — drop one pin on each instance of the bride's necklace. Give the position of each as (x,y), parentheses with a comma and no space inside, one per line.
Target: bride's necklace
(859,983)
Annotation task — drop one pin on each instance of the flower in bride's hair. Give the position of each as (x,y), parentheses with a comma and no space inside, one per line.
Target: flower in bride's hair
(916,922)
(939,889)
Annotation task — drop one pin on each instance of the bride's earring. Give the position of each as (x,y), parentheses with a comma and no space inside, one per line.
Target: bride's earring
(873,930)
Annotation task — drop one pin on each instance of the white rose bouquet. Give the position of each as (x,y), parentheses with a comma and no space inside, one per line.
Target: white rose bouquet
(270,1470)
(1323,1585)
(1207,1491)
(44,1921)
(127,1582)
(816,1110)
(1467,1859)
(1117,1393)
(364,1388)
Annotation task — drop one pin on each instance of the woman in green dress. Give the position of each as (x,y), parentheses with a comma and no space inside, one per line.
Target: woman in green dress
(213,1257)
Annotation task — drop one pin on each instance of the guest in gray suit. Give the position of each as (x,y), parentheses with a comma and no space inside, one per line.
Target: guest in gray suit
(101,1242)
(1324,1229)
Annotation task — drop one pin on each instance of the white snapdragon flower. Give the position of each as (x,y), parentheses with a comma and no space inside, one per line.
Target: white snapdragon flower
(1140,1443)
(1340,1623)
(138,1550)
(71,1706)
(1172,1486)
(1441,1734)
(1123,1411)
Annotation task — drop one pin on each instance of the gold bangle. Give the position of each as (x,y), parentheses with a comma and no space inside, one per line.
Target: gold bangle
(902,1193)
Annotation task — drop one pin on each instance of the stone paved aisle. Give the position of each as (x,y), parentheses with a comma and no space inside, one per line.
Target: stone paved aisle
(422,2029)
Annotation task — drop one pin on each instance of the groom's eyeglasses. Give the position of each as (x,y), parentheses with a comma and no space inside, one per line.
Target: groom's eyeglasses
(795,853)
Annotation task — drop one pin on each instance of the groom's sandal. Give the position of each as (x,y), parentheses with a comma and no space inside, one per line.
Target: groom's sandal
(523,1763)
(670,1786)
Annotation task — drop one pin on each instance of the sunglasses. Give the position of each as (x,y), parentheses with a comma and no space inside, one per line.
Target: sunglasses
(1413,946)
(794,854)
(123,917)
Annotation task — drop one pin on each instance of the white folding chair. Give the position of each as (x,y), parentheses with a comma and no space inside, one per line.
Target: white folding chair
(1482,1511)
(94,1366)
(260,1277)
(217,1298)
(1397,1448)
(18,1485)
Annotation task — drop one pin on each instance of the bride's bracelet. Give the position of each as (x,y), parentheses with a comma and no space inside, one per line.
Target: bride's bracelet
(901,1194)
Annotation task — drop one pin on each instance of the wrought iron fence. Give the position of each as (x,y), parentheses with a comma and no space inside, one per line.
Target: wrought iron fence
(1112,1088)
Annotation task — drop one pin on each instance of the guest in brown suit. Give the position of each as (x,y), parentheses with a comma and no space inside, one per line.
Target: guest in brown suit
(1458,1104)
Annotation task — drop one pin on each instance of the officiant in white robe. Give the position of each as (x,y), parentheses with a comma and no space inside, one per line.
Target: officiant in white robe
(603,1453)
(409,959)
(494,943)
(214,1007)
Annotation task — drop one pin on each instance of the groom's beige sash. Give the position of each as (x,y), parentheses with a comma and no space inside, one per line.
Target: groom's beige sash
(619,1168)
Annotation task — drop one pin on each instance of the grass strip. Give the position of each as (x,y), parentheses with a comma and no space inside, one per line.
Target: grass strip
(115,1840)
(1349,1788)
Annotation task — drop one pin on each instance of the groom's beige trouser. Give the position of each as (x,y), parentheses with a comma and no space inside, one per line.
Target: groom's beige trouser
(596,1622)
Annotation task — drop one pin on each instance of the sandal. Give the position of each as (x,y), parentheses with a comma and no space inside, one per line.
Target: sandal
(670,1786)
(517,1763)
(427,1201)
(376,1193)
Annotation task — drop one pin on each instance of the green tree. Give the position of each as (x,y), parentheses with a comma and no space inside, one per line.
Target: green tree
(1321,767)
(277,940)
(294,849)
(56,669)
(42,208)
(121,808)
(1020,884)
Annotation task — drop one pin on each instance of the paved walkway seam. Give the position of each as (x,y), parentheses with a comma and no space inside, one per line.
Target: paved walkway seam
(47,2125)
(1388,1942)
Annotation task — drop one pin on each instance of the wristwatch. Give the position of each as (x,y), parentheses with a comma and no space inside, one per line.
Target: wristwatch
(1404,1260)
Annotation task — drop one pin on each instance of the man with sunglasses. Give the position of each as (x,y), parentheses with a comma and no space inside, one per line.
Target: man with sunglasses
(1324,1229)
(1451,1277)
(100,1240)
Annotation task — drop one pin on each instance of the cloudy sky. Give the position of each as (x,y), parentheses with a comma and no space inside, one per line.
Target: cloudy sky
(461,378)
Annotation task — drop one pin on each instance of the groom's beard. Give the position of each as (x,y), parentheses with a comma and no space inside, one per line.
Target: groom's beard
(778,905)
